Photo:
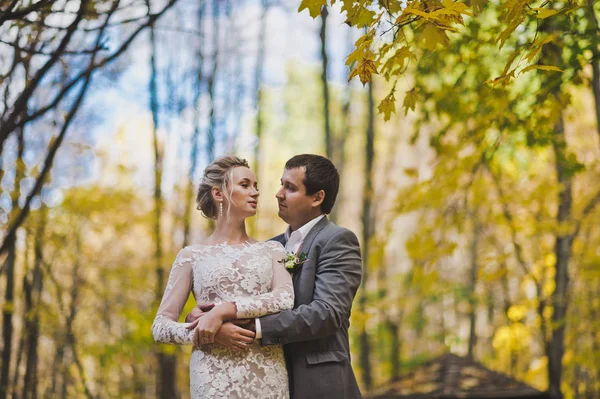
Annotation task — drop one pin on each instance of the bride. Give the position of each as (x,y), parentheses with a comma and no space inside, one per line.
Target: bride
(243,278)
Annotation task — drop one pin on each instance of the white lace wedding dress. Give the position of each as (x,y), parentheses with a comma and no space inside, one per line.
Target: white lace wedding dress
(249,275)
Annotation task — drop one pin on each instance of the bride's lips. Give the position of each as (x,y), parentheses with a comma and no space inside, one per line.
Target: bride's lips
(254,204)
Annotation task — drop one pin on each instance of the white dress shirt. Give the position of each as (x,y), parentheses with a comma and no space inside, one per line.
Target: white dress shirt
(294,240)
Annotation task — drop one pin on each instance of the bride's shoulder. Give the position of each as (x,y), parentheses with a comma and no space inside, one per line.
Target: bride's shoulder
(274,245)
(193,249)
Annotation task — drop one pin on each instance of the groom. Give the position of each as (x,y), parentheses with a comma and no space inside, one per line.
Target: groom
(315,332)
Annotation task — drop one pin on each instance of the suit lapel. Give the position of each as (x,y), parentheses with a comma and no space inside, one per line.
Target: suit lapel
(310,237)
(306,245)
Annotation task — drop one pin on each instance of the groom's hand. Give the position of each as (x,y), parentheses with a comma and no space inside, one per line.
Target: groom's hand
(248,324)
(232,336)
(197,312)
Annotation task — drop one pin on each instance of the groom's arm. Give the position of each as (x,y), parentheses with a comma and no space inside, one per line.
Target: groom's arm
(338,275)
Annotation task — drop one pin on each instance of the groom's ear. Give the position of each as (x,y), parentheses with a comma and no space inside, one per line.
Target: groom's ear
(318,198)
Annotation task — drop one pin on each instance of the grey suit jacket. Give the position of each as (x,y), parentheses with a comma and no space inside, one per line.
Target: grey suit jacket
(315,332)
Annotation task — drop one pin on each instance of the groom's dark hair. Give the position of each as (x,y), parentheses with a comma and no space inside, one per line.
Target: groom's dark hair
(319,174)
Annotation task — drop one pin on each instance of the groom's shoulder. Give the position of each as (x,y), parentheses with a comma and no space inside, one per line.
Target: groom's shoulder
(333,231)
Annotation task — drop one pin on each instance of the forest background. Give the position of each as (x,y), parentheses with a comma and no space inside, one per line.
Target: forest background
(467,135)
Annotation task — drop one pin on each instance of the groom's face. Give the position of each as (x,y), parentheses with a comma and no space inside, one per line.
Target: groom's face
(295,207)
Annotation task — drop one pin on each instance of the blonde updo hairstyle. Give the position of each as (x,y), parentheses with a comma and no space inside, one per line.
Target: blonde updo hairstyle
(218,174)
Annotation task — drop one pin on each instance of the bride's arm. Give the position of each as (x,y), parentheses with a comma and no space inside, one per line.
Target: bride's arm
(165,328)
(281,296)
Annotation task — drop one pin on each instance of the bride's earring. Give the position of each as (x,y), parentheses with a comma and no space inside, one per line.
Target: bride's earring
(221,208)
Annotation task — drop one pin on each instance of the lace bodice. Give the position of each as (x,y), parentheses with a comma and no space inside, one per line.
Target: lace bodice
(251,276)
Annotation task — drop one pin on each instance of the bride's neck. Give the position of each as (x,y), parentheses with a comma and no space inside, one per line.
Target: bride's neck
(232,231)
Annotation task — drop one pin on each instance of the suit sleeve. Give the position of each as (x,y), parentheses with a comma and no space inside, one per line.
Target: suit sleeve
(338,275)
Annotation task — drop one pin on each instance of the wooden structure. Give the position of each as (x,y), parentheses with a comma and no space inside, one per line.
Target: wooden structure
(453,377)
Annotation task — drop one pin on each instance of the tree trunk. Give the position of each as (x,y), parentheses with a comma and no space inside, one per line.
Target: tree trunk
(593,29)
(260,59)
(472,287)
(9,295)
(7,327)
(551,55)
(240,89)
(367,223)
(33,322)
(324,83)
(166,388)
(562,251)
(189,192)
(339,140)
(212,81)
(396,352)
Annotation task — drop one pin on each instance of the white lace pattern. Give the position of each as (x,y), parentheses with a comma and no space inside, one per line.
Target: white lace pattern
(249,275)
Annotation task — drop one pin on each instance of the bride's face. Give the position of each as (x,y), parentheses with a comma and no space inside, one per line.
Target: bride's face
(243,192)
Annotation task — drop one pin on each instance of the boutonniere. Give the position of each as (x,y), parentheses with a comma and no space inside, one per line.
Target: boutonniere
(293,261)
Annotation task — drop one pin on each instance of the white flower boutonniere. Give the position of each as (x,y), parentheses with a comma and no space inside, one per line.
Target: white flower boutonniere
(293,261)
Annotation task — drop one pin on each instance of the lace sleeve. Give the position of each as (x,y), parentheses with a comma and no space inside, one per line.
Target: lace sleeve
(280,298)
(165,328)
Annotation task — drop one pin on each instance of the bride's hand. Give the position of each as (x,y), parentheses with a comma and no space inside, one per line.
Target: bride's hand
(207,326)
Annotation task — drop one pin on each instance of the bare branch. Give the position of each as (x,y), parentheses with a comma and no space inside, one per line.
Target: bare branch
(87,71)
(19,106)
(21,13)
(40,52)
(48,162)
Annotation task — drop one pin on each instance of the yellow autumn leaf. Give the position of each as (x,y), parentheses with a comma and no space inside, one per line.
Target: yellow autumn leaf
(362,48)
(416,12)
(314,6)
(551,68)
(392,6)
(457,6)
(536,47)
(398,61)
(453,10)
(365,68)
(388,106)
(543,13)
(505,34)
(358,54)
(361,17)
(410,100)
(431,36)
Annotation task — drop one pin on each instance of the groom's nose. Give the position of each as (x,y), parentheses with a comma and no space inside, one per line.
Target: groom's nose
(279,193)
